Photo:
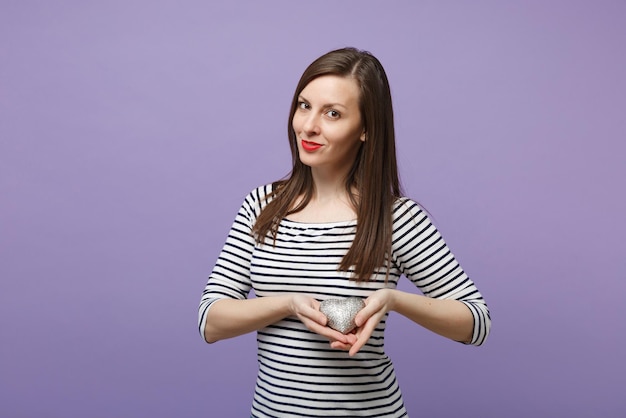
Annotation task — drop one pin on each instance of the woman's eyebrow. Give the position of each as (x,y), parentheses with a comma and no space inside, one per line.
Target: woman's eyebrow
(304,99)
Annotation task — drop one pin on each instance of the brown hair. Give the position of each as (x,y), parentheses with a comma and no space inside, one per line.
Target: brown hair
(372,183)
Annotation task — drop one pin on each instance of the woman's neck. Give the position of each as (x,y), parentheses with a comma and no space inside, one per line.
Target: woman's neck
(329,184)
(330,202)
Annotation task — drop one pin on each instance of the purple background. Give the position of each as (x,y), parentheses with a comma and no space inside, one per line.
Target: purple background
(130,131)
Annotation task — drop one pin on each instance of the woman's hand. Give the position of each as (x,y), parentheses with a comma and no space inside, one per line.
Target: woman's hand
(307,310)
(447,317)
(376,306)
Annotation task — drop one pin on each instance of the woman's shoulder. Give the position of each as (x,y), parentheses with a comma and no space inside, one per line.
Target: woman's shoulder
(261,192)
(407,203)
(260,196)
(406,207)
(255,201)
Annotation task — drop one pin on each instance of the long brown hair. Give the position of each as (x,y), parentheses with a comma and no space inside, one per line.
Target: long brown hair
(372,183)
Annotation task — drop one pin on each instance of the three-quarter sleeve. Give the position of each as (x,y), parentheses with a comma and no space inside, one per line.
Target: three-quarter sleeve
(230,277)
(422,255)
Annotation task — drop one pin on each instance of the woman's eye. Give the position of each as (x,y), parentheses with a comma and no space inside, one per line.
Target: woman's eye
(333,114)
(303,105)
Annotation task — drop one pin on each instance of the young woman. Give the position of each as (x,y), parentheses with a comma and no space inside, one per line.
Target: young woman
(337,227)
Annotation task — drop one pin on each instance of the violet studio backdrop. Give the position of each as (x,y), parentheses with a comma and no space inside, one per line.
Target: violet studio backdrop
(130,132)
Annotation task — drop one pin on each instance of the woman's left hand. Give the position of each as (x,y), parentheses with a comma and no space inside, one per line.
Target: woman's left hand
(376,306)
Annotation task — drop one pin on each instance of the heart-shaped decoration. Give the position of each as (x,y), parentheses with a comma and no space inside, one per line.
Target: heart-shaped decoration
(341,313)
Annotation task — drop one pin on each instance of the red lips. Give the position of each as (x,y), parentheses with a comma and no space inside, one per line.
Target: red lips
(310,146)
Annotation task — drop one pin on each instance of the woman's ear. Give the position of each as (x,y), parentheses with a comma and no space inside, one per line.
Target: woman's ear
(363,136)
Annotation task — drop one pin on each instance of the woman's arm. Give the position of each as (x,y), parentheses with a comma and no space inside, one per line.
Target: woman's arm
(225,310)
(451,304)
(229,318)
(447,317)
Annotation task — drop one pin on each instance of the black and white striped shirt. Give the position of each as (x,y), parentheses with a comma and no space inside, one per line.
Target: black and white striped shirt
(299,374)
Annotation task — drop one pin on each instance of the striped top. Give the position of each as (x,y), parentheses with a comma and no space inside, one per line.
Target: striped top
(299,374)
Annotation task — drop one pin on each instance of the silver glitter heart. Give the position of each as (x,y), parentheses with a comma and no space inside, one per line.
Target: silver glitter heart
(341,313)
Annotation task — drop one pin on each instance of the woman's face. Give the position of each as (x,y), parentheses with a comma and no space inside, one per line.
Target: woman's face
(328,124)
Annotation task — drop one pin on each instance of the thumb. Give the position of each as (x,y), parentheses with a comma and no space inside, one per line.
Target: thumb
(318,317)
(362,316)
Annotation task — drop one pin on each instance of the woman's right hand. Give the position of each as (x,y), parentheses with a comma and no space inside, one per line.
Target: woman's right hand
(229,318)
(307,310)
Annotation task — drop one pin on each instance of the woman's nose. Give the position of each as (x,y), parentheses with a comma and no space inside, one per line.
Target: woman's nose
(311,124)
